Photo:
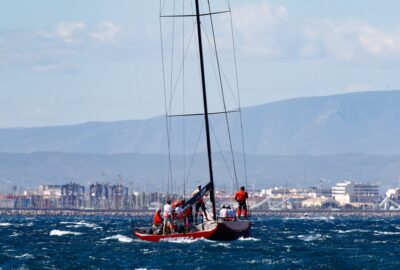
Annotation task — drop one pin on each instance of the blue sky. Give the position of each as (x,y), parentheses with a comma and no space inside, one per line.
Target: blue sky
(65,62)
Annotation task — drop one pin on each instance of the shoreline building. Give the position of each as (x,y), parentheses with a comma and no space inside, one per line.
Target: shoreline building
(355,194)
(49,196)
(106,196)
(99,196)
(72,195)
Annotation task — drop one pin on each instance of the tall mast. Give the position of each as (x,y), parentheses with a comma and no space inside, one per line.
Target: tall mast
(203,84)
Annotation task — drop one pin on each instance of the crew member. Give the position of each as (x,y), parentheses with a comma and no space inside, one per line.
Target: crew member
(241,197)
(226,213)
(199,204)
(179,218)
(188,213)
(157,222)
(168,217)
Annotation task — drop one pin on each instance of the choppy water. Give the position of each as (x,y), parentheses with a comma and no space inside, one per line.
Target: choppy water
(276,243)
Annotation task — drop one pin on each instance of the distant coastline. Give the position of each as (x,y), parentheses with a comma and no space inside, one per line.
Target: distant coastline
(148,213)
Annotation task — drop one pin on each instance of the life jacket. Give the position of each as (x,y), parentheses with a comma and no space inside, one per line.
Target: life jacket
(241,196)
(157,219)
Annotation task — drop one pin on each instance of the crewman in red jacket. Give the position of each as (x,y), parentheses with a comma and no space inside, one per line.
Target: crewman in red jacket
(241,197)
(158,220)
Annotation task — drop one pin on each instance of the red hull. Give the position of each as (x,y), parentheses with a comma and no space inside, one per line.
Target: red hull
(191,235)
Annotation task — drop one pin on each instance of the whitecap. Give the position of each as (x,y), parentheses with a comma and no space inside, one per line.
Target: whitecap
(148,251)
(5,224)
(320,218)
(25,256)
(248,239)
(119,237)
(84,224)
(14,234)
(386,233)
(311,237)
(351,231)
(61,233)
(323,218)
(227,245)
(81,224)
(184,240)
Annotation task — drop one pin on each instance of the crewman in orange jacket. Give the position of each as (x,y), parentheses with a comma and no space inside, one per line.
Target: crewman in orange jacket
(241,197)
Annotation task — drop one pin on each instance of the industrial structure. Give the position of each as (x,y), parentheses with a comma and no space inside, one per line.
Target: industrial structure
(105,196)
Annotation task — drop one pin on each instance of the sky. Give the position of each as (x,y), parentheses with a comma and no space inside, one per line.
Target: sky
(65,62)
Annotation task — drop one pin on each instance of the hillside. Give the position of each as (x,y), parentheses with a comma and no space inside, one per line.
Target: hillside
(367,123)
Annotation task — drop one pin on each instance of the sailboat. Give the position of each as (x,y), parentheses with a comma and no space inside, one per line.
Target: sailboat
(215,229)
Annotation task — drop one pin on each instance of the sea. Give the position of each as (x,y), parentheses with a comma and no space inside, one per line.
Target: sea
(275,243)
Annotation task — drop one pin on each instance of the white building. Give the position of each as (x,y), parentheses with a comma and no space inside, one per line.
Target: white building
(285,192)
(49,191)
(393,193)
(348,192)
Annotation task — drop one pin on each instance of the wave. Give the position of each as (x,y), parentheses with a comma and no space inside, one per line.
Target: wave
(25,256)
(14,234)
(61,233)
(351,231)
(184,240)
(386,233)
(119,237)
(248,239)
(311,237)
(378,242)
(5,224)
(324,218)
(80,224)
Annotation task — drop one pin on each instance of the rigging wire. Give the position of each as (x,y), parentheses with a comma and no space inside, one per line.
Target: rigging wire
(222,90)
(224,159)
(194,151)
(238,93)
(171,77)
(169,180)
(183,102)
(181,68)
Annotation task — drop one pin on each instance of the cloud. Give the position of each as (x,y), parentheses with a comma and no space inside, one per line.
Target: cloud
(350,41)
(106,32)
(266,30)
(68,31)
(262,27)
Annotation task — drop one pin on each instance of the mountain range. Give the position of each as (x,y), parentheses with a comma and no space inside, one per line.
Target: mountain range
(297,142)
(365,123)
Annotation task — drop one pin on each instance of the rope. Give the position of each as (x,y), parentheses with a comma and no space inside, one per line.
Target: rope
(169,180)
(222,90)
(238,93)
(183,102)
